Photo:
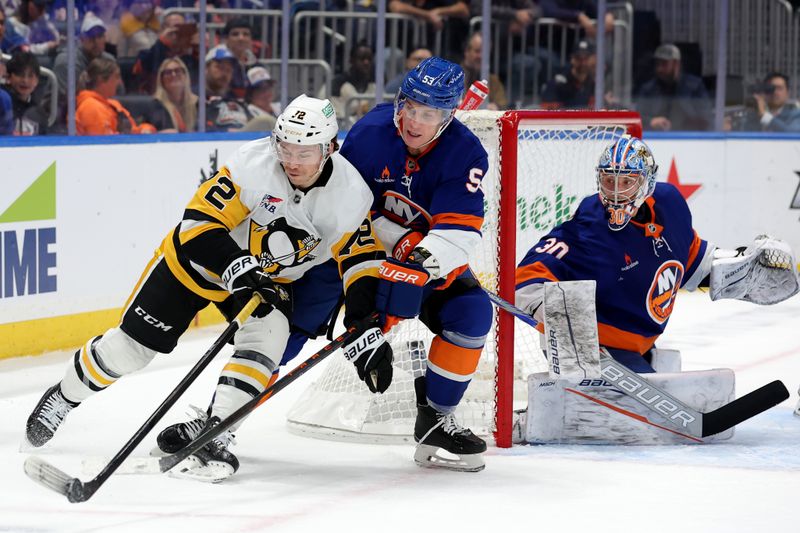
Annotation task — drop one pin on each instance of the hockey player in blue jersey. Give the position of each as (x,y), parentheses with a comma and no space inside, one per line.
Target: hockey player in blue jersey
(635,240)
(424,169)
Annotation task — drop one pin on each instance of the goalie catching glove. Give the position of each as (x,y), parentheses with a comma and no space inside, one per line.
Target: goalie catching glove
(764,273)
(372,356)
(243,277)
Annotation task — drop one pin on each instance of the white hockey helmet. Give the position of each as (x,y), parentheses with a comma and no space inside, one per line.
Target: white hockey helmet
(306,121)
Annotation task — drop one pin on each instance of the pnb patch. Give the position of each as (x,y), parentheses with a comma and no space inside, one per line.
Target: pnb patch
(328,110)
(663,290)
(270,203)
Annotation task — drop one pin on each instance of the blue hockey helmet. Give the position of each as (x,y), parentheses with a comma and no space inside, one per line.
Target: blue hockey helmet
(626,176)
(435,83)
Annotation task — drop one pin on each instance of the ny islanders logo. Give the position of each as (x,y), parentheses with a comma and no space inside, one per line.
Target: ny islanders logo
(663,290)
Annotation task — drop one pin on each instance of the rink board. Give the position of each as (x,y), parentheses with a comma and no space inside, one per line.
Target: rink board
(78,223)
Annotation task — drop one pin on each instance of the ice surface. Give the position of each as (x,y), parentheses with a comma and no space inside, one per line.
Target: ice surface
(290,483)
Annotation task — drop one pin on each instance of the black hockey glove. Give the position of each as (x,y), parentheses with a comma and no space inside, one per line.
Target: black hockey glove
(372,356)
(243,276)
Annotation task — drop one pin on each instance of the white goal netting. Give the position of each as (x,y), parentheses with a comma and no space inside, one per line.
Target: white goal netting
(556,153)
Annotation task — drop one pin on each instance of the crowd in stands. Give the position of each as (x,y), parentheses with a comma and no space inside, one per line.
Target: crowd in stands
(137,68)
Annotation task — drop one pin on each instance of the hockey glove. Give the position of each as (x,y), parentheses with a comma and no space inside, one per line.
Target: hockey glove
(406,244)
(243,276)
(372,356)
(400,291)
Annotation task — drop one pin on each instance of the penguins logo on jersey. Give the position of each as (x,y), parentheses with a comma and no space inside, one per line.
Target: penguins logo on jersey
(663,290)
(279,245)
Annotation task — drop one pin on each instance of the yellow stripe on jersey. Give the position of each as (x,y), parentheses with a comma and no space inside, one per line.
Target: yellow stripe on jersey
(358,273)
(220,198)
(360,242)
(170,255)
(197,229)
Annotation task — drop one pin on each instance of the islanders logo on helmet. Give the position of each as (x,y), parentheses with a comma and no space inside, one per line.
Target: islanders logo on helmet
(626,176)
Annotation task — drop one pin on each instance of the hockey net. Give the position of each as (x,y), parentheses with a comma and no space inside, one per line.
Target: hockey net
(541,164)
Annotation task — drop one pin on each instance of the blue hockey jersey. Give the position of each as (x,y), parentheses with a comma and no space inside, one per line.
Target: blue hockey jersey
(437,193)
(638,269)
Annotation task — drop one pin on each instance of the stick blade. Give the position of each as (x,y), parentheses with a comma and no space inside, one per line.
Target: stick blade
(741,409)
(47,475)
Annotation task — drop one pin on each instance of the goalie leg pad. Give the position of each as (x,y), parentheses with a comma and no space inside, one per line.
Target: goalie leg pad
(593,412)
(665,361)
(570,329)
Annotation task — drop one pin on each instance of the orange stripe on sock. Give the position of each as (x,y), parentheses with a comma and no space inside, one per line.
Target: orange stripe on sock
(452,358)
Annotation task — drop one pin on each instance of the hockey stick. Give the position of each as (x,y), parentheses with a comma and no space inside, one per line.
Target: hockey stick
(676,412)
(208,434)
(76,490)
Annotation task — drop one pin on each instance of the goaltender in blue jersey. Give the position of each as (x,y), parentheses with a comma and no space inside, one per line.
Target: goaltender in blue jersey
(636,241)
(425,169)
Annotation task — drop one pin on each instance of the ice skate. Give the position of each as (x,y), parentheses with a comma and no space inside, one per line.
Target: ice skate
(435,431)
(47,416)
(213,462)
(175,437)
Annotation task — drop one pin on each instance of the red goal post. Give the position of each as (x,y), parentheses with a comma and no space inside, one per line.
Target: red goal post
(509,127)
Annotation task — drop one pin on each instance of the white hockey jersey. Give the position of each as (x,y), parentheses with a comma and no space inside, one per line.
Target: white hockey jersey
(289,230)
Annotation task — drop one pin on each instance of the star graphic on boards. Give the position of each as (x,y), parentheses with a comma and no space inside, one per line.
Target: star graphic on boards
(686,189)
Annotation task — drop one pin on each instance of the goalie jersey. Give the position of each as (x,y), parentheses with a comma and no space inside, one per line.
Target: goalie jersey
(638,269)
(437,193)
(250,204)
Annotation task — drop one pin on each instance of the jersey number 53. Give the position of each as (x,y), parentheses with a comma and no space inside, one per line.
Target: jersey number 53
(474,183)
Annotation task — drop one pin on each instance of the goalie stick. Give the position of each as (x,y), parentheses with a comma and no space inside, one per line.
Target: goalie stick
(76,490)
(680,415)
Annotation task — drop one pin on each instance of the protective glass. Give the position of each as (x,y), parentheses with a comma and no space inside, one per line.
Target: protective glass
(422,113)
(289,154)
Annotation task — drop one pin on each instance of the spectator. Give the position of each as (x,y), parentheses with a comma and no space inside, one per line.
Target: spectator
(573,89)
(472,71)
(581,12)
(3,43)
(6,114)
(92,45)
(31,23)
(261,93)
(517,14)
(223,112)
(140,28)
(239,39)
(98,113)
(175,40)
(23,78)
(174,91)
(773,110)
(358,79)
(414,58)
(673,100)
(434,13)
(109,11)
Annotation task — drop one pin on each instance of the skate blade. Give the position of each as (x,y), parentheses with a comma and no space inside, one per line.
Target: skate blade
(193,468)
(431,457)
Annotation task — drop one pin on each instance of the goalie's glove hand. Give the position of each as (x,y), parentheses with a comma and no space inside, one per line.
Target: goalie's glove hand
(243,277)
(372,356)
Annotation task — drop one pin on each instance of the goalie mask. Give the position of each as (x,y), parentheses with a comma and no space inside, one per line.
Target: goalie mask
(626,176)
(434,89)
(306,122)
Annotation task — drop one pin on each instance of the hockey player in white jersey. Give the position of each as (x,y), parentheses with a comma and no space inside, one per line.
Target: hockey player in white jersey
(279,207)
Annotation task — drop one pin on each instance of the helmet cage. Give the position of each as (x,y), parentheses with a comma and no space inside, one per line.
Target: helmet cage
(626,176)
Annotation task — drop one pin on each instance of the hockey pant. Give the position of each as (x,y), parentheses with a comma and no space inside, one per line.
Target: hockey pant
(158,312)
